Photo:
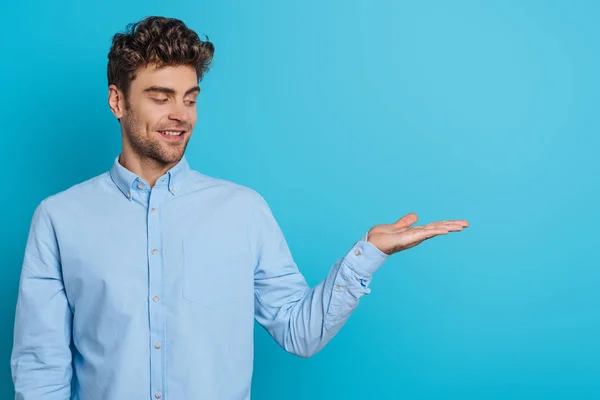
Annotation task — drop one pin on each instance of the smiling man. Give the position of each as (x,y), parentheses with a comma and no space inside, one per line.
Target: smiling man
(144,282)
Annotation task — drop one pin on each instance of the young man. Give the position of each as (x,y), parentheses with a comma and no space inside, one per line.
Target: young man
(144,282)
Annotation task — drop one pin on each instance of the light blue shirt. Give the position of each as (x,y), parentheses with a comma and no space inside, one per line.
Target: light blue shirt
(135,293)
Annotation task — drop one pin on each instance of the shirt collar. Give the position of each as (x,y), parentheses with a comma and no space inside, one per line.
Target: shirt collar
(127,180)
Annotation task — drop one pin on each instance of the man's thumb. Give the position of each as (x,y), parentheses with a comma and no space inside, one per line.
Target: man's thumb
(406,221)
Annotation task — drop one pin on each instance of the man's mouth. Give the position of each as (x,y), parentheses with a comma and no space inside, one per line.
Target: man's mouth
(172,134)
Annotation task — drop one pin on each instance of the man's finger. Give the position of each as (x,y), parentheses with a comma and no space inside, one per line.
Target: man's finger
(406,221)
(449,226)
(462,222)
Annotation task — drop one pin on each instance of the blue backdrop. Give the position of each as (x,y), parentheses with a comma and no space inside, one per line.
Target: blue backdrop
(346,114)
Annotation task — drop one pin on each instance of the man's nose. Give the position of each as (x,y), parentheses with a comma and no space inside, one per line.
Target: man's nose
(178,112)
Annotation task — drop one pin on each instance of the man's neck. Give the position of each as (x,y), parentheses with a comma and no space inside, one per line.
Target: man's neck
(146,168)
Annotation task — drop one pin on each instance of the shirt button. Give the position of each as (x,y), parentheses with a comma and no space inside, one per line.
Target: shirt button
(158,395)
(338,288)
(172,188)
(128,195)
(140,185)
(357,252)
(157,345)
(153,211)
(155,251)
(155,299)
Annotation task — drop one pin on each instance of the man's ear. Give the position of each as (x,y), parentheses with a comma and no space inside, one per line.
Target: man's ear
(116,101)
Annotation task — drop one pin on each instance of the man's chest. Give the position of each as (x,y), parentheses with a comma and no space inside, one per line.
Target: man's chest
(132,255)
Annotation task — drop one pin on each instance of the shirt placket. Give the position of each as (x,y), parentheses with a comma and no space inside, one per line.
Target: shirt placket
(156,290)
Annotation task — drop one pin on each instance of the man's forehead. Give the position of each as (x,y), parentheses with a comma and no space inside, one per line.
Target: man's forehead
(181,77)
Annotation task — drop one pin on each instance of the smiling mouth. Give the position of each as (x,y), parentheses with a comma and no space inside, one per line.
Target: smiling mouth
(174,135)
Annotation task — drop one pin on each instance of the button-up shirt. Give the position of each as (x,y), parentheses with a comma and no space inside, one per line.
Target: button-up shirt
(135,292)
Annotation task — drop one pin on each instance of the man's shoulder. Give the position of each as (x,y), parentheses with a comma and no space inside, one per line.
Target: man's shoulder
(201,181)
(227,189)
(78,193)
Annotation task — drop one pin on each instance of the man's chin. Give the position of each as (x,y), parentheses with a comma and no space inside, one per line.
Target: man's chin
(171,158)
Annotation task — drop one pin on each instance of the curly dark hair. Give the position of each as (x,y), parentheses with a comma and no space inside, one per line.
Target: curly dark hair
(156,40)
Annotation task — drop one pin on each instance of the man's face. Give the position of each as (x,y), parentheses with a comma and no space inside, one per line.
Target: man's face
(160,112)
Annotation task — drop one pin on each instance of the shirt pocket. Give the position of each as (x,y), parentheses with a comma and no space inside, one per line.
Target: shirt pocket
(211,278)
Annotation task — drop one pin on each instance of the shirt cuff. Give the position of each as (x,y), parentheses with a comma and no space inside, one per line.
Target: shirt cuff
(365,258)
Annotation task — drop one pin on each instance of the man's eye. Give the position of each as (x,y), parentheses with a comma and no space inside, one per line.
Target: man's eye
(160,101)
(190,102)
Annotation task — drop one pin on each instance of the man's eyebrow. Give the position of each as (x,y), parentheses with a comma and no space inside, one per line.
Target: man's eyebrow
(195,89)
(166,90)
(160,89)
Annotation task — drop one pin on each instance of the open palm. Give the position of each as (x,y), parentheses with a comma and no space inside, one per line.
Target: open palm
(392,238)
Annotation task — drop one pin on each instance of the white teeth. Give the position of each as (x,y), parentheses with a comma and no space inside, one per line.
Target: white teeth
(172,133)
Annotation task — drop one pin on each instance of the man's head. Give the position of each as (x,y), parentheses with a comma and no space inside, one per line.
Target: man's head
(153,73)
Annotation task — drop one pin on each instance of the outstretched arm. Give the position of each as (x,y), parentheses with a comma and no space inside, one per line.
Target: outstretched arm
(303,319)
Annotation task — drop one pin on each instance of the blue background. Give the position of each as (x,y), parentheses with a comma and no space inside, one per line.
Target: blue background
(349,114)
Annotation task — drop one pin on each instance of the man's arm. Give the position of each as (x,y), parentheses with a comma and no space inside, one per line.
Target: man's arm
(303,320)
(41,360)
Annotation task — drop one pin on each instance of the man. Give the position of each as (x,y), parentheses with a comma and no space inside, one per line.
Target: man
(144,282)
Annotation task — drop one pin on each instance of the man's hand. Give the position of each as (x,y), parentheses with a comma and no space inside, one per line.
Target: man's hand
(392,238)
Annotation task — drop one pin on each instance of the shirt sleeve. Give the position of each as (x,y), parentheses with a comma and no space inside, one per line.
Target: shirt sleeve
(303,319)
(41,360)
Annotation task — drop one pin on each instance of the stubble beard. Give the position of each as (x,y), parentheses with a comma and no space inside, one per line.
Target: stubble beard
(148,147)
